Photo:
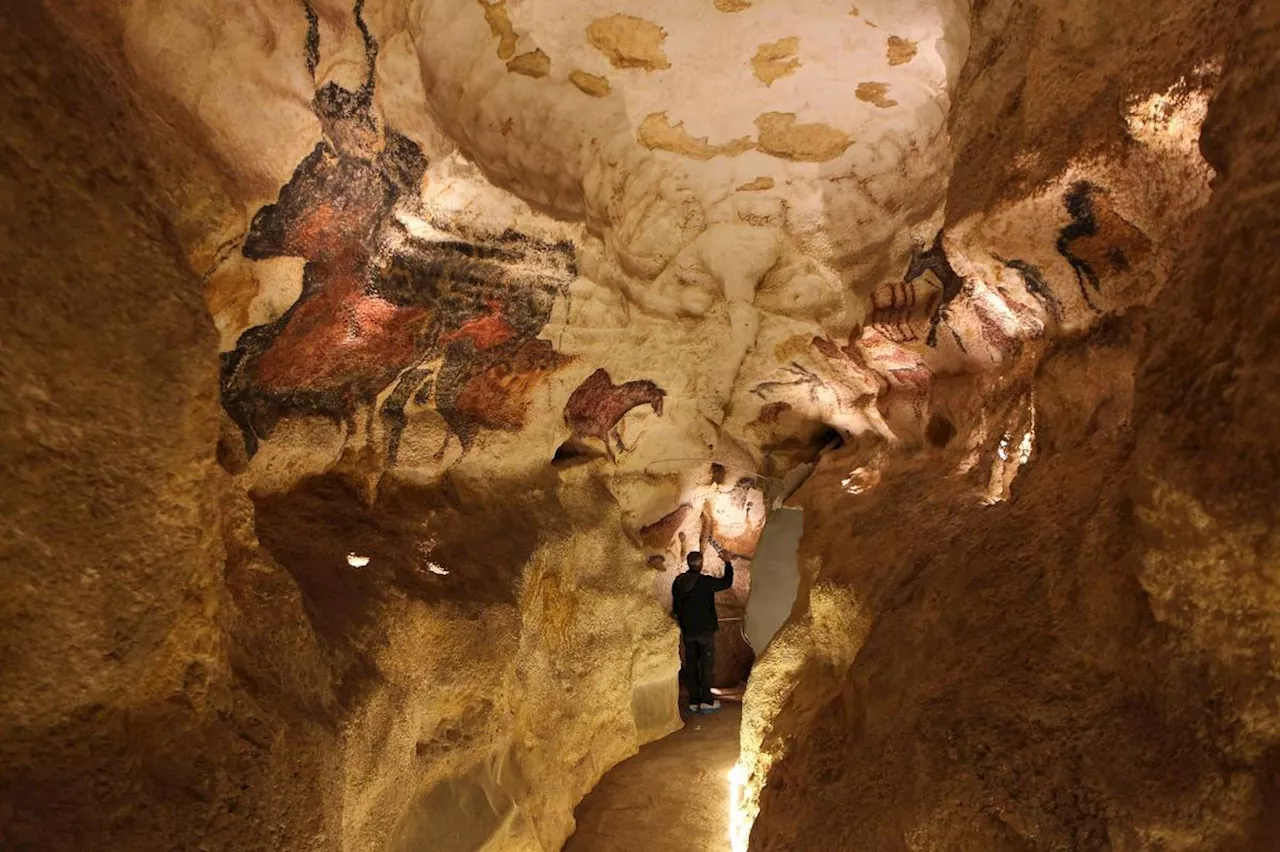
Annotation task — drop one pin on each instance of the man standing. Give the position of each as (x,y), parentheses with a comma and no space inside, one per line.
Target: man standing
(693,604)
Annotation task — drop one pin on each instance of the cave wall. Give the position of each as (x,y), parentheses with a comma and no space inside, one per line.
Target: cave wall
(191,658)
(115,673)
(489,315)
(1087,662)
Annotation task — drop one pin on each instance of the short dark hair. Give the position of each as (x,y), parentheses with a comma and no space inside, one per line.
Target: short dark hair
(694,557)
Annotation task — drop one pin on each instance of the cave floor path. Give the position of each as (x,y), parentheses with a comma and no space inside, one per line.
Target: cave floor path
(673,796)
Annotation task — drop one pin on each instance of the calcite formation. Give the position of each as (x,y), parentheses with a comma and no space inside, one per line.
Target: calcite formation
(372,366)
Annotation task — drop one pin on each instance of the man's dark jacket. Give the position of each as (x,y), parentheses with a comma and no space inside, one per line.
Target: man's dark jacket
(693,600)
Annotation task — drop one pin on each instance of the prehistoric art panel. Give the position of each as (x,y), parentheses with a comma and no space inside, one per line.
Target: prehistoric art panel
(596,407)
(452,323)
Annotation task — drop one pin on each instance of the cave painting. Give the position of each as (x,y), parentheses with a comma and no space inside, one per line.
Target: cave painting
(802,379)
(1033,280)
(597,406)
(447,321)
(853,359)
(926,290)
(896,304)
(1097,239)
(727,520)
(735,529)
(658,535)
(788,436)
(932,266)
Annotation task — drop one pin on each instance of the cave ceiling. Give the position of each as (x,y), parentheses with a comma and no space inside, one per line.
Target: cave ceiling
(686,245)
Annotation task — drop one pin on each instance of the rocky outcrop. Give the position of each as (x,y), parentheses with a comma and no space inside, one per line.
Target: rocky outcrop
(1084,662)
(115,679)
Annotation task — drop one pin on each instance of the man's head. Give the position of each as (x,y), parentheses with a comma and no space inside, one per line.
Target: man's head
(695,562)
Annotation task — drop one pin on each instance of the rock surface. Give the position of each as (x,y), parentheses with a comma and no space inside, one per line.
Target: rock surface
(372,366)
(1085,664)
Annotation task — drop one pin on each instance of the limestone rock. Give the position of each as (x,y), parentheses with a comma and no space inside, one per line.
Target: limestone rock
(629,42)
(783,136)
(776,60)
(371,369)
(1026,658)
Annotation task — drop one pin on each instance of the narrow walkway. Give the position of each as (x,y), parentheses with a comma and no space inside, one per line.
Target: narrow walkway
(671,797)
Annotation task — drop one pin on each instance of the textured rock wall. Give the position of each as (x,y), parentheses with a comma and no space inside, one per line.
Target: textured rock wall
(515,678)
(512,308)
(1088,662)
(114,674)
(190,657)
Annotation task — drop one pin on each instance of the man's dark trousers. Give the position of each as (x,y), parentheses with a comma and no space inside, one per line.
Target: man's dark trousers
(699,666)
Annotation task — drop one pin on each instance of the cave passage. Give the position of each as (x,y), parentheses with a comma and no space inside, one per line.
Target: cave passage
(677,794)
(369,369)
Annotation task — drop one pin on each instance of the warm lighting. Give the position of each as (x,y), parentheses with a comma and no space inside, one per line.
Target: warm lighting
(1011,458)
(739,820)
(1024,449)
(1170,121)
(859,480)
(357,561)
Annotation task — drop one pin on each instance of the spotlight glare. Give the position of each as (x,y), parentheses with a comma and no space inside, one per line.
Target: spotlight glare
(739,820)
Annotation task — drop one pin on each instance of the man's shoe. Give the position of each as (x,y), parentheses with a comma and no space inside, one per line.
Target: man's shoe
(693,708)
(710,708)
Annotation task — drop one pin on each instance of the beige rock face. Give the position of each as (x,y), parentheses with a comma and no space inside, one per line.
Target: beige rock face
(876,94)
(658,134)
(112,554)
(776,60)
(629,42)
(370,369)
(782,136)
(309,655)
(901,50)
(595,85)
(535,63)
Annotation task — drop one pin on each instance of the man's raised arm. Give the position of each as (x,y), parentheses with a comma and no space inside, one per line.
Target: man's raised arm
(726,581)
